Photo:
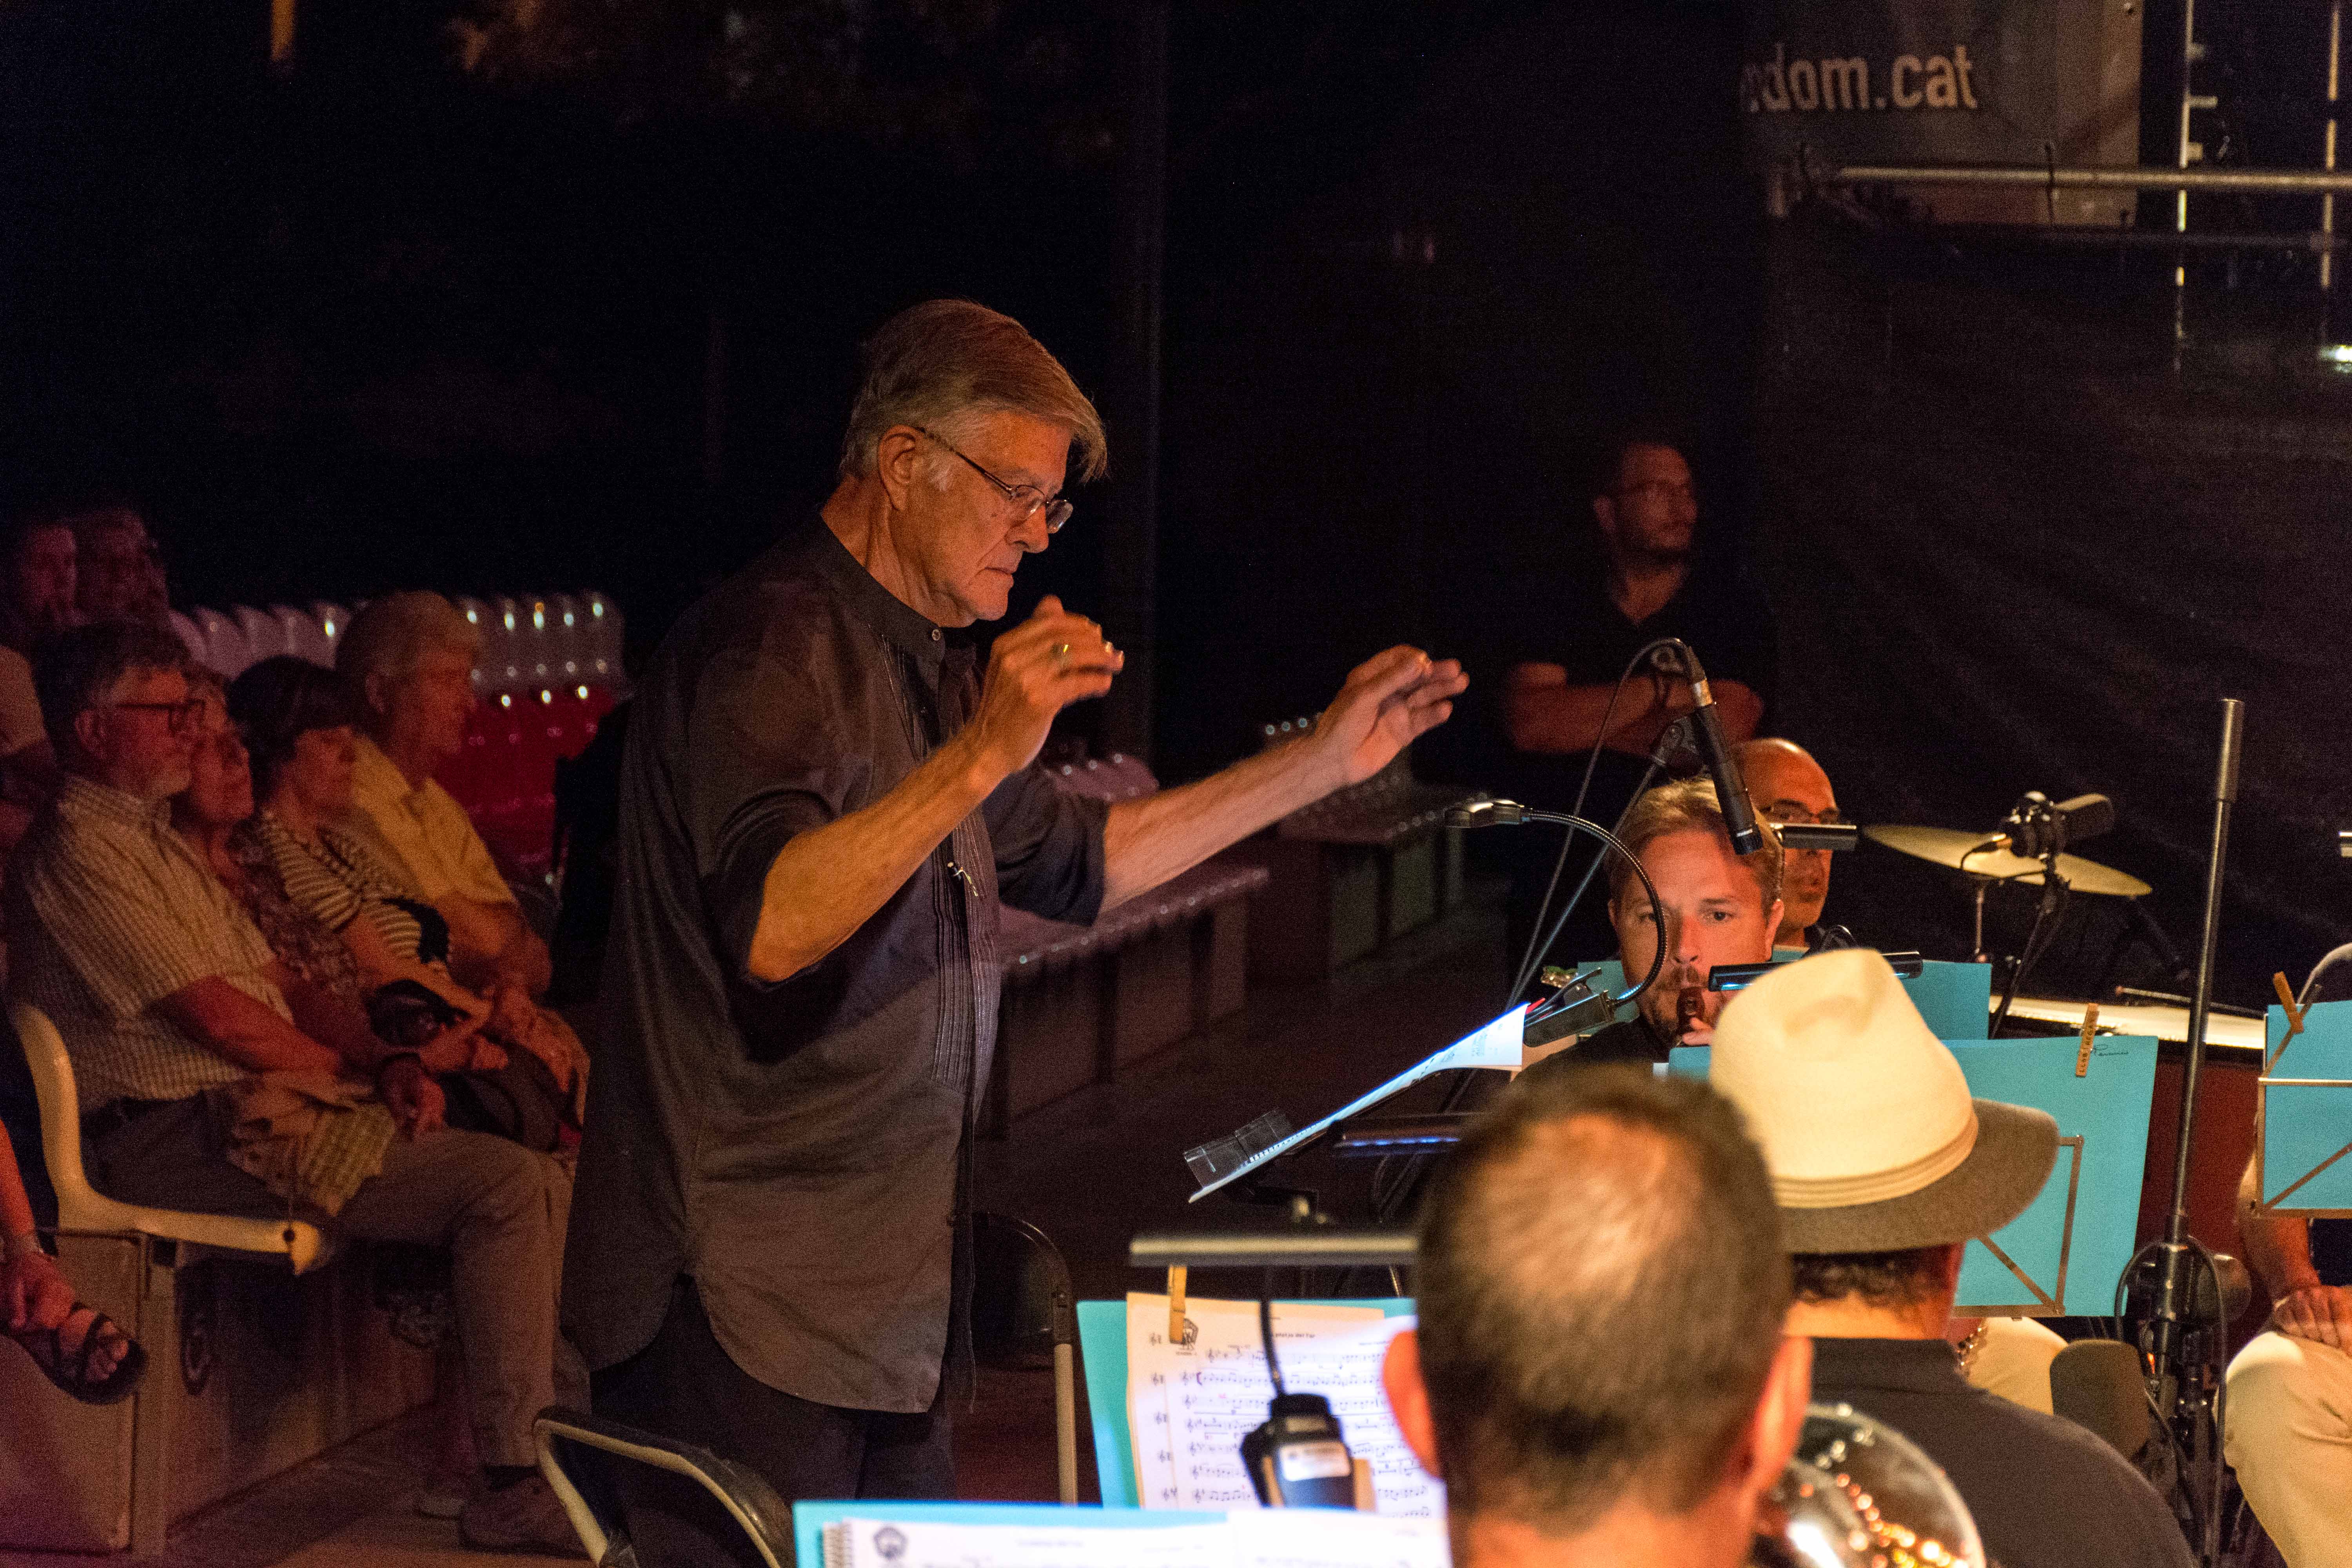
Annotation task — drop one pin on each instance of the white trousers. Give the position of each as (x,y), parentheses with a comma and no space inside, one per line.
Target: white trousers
(2288,1434)
(2013,1361)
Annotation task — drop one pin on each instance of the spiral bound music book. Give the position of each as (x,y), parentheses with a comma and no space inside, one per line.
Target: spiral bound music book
(1015,1535)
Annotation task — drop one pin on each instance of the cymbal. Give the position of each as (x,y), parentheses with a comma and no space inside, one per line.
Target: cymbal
(1981,854)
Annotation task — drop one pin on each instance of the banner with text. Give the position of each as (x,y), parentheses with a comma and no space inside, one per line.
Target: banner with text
(1946,81)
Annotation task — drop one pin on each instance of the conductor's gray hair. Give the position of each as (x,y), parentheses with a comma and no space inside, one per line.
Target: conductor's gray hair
(937,364)
(393,636)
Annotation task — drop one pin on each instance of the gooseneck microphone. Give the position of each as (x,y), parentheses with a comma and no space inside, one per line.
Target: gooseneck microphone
(1730,789)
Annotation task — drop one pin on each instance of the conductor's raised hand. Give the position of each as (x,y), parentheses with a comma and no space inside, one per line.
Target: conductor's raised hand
(1390,700)
(1039,667)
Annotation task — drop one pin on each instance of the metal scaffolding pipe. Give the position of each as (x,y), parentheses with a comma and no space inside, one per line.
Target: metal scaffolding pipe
(2250,181)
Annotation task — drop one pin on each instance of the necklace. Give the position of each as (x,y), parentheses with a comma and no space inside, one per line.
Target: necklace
(1965,1352)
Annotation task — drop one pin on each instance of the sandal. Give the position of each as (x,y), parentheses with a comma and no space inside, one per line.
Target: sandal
(71,1369)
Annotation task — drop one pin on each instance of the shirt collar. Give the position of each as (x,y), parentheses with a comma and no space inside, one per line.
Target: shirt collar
(376,773)
(87,797)
(905,628)
(1908,1366)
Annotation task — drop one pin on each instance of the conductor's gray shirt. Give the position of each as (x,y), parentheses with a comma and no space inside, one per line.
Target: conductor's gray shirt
(795,1147)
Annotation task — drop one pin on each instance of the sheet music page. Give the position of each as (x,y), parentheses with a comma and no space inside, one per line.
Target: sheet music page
(1189,1405)
(1325,1538)
(935,1544)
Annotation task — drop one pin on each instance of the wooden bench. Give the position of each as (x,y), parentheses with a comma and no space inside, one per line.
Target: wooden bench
(1081,1002)
(1354,870)
(262,1351)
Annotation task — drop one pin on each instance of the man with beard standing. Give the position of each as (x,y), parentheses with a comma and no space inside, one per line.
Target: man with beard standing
(1568,631)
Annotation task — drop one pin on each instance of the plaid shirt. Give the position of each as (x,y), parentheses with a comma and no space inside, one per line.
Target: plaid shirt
(108,912)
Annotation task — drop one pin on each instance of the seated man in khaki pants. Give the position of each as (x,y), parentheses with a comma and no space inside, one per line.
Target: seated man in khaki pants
(168,1000)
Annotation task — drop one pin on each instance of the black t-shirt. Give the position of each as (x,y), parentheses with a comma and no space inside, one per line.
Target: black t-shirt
(1565,618)
(2045,1493)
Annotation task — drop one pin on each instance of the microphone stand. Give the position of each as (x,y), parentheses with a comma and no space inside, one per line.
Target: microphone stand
(2053,897)
(2182,1402)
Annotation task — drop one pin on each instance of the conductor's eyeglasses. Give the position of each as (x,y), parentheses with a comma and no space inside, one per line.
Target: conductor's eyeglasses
(1025,499)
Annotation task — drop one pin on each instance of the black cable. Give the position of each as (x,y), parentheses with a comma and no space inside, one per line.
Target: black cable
(2048,912)
(1385,1194)
(1531,960)
(1608,841)
(1591,869)
(1265,1334)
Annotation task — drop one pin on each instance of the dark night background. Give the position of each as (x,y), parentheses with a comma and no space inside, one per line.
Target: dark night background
(444,306)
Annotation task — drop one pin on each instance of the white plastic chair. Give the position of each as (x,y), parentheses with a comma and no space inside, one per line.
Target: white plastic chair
(191,635)
(301,630)
(331,619)
(601,645)
(265,633)
(226,654)
(84,1210)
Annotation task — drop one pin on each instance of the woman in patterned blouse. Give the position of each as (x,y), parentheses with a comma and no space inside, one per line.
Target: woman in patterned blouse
(297,721)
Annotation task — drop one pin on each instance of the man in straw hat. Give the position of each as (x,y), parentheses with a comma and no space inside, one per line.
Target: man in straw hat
(1599,1374)
(1884,1169)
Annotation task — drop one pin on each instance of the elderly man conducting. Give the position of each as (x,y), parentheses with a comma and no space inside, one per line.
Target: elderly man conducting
(411,656)
(824,805)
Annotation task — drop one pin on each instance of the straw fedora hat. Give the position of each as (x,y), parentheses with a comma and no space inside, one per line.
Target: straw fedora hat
(1874,1142)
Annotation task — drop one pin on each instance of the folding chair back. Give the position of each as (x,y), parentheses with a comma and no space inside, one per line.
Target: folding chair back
(577,1454)
(1023,1317)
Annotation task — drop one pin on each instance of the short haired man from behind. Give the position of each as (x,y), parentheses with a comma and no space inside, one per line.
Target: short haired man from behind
(1599,1375)
(1884,1168)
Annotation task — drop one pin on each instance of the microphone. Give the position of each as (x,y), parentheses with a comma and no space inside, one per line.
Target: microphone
(1485,812)
(1730,789)
(2036,825)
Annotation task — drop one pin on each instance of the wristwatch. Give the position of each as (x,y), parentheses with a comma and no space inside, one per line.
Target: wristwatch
(26,1245)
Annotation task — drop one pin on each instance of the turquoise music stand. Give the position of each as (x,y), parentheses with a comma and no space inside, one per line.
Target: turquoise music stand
(2063,1256)
(2305,1103)
(1102,1356)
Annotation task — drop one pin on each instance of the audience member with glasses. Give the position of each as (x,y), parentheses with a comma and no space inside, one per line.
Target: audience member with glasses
(827,794)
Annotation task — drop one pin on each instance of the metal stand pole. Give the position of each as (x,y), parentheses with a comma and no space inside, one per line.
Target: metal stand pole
(2176,1399)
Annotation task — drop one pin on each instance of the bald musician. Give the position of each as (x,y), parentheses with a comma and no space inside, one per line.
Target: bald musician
(1787,786)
